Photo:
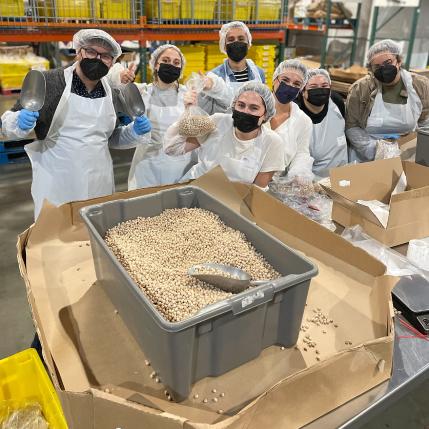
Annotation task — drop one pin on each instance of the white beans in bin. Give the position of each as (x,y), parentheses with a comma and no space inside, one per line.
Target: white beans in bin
(142,249)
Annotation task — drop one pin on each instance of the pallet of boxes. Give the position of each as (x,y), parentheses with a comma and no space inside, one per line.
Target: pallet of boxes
(318,9)
(343,79)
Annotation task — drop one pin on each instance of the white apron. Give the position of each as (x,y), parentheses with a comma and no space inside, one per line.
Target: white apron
(212,154)
(328,145)
(73,161)
(387,118)
(151,166)
(237,85)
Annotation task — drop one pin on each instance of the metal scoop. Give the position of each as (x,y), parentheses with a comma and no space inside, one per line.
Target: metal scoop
(33,91)
(226,283)
(134,100)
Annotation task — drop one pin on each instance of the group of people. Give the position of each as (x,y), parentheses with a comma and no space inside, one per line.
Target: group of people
(297,126)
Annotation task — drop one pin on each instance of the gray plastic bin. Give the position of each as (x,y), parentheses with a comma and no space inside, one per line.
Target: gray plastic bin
(222,336)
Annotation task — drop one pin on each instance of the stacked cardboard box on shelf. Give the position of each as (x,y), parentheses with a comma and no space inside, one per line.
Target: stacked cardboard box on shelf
(342,79)
(318,8)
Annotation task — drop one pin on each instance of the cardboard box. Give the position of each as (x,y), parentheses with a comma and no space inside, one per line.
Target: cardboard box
(350,75)
(88,349)
(408,216)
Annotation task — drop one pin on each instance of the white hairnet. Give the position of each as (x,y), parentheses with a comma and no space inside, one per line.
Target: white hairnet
(225,29)
(293,66)
(383,47)
(317,72)
(263,91)
(157,52)
(98,38)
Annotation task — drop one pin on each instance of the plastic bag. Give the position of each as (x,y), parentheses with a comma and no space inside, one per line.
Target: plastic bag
(397,265)
(298,193)
(294,183)
(387,149)
(28,417)
(194,121)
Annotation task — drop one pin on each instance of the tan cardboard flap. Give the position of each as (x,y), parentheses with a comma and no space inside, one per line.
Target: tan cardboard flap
(359,209)
(409,207)
(417,175)
(368,181)
(92,347)
(408,141)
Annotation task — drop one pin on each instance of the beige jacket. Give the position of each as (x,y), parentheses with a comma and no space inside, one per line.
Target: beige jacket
(361,97)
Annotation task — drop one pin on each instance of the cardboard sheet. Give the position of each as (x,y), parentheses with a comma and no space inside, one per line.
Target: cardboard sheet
(89,349)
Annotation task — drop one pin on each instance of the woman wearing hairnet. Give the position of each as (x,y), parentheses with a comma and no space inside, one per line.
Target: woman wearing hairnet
(164,105)
(247,151)
(290,122)
(328,145)
(76,126)
(235,40)
(387,101)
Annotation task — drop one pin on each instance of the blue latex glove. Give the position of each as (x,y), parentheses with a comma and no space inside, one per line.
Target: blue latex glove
(27,119)
(141,125)
(391,136)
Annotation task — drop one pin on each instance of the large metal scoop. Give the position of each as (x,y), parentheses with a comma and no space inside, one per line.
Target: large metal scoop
(33,91)
(226,283)
(134,100)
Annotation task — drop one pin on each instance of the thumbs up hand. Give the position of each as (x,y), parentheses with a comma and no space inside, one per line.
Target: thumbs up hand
(128,75)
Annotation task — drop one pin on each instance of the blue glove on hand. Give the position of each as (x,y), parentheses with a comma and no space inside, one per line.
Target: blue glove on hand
(27,119)
(141,125)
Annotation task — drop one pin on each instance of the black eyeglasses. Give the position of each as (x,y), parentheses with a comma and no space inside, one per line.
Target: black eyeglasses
(92,53)
(386,63)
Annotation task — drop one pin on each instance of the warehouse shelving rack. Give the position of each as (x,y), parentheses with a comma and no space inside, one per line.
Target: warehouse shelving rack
(144,20)
(400,8)
(328,24)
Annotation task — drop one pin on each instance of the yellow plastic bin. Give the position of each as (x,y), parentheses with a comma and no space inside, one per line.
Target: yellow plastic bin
(242,10)
(12,8)
(12,81)
(268,10)
(202,9)
(23,379)
(169,9)
(74,9)
(112,9)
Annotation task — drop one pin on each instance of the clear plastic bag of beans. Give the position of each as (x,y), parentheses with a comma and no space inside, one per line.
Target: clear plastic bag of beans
(194,121)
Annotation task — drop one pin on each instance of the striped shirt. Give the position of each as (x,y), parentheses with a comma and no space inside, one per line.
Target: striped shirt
(241,76)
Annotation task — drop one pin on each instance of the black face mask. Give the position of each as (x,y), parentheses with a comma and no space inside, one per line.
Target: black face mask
(93,68)
(168,73)
(386,74)
(237,51)
(318,96)
(245,122)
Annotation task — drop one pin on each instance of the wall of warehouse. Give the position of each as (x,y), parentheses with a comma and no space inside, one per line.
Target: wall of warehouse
(398,27)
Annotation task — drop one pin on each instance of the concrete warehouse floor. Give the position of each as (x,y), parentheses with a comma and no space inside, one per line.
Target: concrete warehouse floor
(16,325)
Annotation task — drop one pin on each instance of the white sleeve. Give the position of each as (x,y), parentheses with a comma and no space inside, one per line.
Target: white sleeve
(274,159)
(362,142)
(302,161)
(114,77)
(423,125)
(126,138)
(10,128)
(174,143)
(218,99)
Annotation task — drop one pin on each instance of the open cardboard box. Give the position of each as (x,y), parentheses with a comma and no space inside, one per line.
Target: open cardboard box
(408,216)
(99,372)
(408,146)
